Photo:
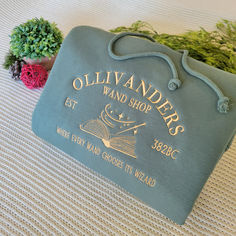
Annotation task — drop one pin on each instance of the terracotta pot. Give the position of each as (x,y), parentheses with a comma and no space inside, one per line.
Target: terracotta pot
(44,61)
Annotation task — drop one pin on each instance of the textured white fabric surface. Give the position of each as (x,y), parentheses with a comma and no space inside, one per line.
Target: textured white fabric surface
(46,192)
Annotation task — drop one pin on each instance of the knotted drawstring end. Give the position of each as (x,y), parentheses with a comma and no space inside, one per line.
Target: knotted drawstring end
(223,105)
(174,84)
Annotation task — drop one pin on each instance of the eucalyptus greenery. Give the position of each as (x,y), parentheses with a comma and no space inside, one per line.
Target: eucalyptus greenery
(35,39)
(216,48)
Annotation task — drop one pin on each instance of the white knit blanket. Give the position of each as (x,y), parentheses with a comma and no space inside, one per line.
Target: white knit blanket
(43,191)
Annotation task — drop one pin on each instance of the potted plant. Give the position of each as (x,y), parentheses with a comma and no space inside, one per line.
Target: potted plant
(36,42)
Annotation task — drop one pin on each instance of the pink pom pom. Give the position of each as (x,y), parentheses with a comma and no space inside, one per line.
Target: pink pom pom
(33,76)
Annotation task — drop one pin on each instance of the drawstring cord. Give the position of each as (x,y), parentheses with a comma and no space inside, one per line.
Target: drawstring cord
(174,83)
(223,102)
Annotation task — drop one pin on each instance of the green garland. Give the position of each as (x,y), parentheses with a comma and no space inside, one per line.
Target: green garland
(216,48)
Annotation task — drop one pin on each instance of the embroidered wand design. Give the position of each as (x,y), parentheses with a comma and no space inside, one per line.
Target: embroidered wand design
(121,143)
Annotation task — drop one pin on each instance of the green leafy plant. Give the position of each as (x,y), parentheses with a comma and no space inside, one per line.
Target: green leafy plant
(216,48)
(10,59)
(35,39)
